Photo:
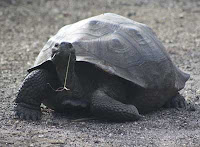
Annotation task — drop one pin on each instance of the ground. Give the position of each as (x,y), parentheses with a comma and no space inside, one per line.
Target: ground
(25,27)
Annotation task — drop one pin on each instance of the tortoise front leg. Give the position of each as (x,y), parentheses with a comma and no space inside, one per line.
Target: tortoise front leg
(105,107)
(33,91)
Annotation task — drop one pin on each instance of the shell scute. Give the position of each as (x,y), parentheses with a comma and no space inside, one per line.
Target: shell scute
(122,47)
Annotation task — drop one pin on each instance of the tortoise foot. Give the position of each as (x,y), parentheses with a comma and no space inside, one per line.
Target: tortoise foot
(27,112)
(177,101)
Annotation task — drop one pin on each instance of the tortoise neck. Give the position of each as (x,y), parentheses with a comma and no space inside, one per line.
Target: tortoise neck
(70,77)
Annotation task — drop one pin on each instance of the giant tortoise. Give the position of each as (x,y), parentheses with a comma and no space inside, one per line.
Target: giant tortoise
(108,65)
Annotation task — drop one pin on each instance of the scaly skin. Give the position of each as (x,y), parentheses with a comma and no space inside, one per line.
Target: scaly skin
(33,91)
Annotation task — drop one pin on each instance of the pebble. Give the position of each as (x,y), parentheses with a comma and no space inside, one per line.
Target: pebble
(129,14)
(181,15)
(198,92)
(40,136)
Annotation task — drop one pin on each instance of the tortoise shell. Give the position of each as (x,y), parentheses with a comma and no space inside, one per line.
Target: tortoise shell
(121,47)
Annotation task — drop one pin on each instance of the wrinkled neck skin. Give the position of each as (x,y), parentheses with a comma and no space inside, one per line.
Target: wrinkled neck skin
(71,75)
(73,84)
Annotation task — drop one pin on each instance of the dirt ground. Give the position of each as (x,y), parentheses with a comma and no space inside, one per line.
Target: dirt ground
(25,26)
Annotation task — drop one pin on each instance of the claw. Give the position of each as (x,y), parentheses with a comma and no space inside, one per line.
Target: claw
(34,118)
(182,104)
(21,116)
(17,114)
(26,113)
(27,117)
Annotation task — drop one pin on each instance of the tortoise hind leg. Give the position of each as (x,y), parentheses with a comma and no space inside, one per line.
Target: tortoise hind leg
(178,101)
(105,107)
(32,92)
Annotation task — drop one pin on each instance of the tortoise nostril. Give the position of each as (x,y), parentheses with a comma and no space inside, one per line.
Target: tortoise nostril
(63,43)
(66,45)
(70,45)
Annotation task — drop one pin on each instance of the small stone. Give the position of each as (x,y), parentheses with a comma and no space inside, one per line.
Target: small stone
(65,14)
(129,14)
(181,15)
(198,92)
(40,136)
(168,41)
(43,106)
(191,107)
(96,141)
(57,141)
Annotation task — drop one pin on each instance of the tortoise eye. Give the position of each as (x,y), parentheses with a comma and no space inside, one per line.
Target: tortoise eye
(56,45)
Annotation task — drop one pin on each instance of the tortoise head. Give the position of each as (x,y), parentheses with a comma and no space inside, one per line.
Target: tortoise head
(63,56)
(61,53)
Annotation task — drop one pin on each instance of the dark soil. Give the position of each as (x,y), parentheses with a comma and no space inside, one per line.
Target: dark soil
(25,26)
